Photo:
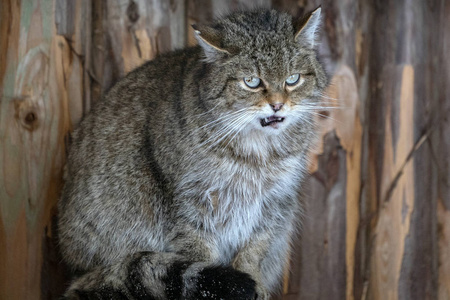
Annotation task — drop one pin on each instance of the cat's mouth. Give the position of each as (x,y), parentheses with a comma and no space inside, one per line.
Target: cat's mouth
(271,121)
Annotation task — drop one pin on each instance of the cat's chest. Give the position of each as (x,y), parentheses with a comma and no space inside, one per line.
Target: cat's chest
(240,198)
(234,183)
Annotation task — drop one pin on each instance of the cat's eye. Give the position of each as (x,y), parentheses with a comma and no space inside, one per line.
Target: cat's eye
(252,82)
(293,79)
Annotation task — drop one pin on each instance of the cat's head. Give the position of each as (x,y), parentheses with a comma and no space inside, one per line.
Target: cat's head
(263,74)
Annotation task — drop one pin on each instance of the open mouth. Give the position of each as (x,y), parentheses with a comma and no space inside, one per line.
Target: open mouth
(271,121)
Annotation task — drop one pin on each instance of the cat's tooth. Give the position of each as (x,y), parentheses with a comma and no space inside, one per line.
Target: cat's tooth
(266,120)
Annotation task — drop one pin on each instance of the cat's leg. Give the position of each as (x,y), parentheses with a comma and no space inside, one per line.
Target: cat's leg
(143,275)
(207,278)
(264,258)
(153,275)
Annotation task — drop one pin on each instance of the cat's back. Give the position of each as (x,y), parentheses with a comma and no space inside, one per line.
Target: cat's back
(139,104)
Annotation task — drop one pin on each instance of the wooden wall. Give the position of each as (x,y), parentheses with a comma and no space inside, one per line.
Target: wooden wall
(377,224)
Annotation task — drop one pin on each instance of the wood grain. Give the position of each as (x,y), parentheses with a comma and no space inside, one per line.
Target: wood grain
(397,193)
(32,129)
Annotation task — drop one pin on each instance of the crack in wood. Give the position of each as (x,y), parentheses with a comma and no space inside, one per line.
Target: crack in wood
(393,184)
(423,138)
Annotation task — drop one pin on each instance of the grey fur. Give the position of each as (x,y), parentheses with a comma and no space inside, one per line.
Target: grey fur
(174,167)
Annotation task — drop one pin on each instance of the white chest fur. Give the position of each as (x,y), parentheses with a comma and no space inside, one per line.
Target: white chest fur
(237,196)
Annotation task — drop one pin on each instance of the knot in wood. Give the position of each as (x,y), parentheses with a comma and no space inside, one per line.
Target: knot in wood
(133,12)
(30,118)
(27,113)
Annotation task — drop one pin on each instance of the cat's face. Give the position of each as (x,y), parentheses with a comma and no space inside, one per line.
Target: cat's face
(265,74)
(276,91)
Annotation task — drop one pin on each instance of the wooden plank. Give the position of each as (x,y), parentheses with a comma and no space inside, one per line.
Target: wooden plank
(440,150)
(344,89)
(397,193)
(323,241)
(34,120)
(71,31)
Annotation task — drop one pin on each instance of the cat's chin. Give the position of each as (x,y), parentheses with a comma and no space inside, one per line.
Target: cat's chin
(272,124)
(272,121)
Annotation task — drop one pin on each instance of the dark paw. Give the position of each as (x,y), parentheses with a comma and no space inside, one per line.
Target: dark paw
(224,283)
(174,281)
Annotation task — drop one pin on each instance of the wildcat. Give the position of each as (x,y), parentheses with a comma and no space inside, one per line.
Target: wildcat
(183,181)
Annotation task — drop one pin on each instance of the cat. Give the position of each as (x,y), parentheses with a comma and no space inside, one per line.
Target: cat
(183,181)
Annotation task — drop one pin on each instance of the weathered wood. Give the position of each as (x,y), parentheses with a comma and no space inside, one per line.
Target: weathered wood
(439,146)
(396,191)
(403,250)
(32,127)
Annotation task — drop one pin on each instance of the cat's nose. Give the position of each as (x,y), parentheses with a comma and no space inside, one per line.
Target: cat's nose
(276,107)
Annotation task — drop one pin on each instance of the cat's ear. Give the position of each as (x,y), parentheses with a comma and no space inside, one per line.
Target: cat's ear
(306,28)
(210,40)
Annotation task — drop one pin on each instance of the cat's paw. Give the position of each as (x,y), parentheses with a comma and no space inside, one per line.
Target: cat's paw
(262,294)
(219,282)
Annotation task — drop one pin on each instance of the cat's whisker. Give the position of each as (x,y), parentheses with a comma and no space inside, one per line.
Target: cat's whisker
(331,101)
(320,103)
(229,120)
(306,108)
(319,114)
(323,95)
(327,117)
(304,114)
(228,130)
(222,118)
(246,121)
(337,107)
(202,114)
(234,127)
(318,108)
(218,133)
(309,122)
(329,98)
